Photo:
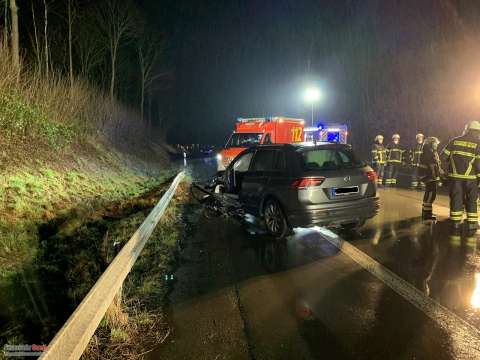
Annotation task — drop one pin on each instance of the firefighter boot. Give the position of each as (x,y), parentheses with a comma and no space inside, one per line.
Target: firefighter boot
(456,227)
(427,208)
(472,228)
(427,215)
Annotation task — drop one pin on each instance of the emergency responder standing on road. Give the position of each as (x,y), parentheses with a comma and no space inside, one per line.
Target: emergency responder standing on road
(394,161)
(415,155)
(429,171)
(463,155)
(379,158)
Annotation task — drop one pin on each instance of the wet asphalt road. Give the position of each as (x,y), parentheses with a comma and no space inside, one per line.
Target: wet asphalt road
(240,295)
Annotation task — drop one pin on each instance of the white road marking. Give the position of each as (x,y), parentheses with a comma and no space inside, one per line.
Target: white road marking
(466,337)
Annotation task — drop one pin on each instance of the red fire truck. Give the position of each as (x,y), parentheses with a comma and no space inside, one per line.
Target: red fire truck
(255,131)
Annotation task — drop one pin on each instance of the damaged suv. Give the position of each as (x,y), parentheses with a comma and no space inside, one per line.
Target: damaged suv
(302,185)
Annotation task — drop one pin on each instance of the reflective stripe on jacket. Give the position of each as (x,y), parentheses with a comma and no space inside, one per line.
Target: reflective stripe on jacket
(379,154)
(394,154)
(429,165)
(463,157)
(415,154)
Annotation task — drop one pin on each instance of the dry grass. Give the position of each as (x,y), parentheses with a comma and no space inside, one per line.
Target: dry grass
(48,110)
(119,338)
(136,326)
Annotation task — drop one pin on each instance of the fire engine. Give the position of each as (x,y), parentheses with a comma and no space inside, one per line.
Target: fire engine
(327,133)
(254,131)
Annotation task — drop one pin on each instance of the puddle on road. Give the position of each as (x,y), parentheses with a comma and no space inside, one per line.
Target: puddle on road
(442,265)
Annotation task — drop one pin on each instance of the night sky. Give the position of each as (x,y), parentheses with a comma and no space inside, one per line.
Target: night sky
(384,65)
(387,65)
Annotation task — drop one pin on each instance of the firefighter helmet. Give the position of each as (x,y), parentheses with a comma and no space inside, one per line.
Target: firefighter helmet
(378,137)
(395,136)
(432,140)
(473,125)
(419,135)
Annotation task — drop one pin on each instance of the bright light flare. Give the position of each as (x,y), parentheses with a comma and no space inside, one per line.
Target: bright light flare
(475,300)
(312,95)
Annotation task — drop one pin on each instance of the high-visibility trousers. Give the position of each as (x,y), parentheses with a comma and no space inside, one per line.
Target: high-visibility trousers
(380,170)
(391,173)
(429,197)
(463,195)
(415,180)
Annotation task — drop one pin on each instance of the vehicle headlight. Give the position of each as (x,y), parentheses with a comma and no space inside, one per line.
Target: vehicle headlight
(219,157)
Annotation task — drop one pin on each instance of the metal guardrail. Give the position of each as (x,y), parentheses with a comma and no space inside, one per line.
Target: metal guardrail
(72,339)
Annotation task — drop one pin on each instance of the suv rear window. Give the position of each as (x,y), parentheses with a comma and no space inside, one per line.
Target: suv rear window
(329,159)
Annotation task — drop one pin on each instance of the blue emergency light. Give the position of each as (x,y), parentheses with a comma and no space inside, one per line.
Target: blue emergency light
(333,136)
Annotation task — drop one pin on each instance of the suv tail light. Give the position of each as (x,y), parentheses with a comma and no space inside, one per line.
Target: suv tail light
(372,176)
(307,182)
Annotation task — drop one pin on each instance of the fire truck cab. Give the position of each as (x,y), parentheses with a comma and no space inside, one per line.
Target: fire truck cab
(254,131)
(327,133)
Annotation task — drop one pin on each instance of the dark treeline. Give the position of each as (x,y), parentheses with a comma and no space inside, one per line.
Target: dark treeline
(385,65)
(112,44)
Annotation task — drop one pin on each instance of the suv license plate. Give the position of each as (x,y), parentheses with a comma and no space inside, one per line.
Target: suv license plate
(345,191)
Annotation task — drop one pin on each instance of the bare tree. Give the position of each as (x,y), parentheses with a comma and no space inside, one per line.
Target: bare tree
(90,54)
(45,35)
(89,45)
(70,55)
(36,44)
(117,22)
(15,38)
(5,27)
(148,49)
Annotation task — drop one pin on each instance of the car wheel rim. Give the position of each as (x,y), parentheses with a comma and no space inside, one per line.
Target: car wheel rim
(273,218)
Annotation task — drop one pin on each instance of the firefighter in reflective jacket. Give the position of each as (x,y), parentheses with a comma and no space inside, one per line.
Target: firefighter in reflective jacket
(429,172)
(379,158)
(415,155)
(463,156)
(394,161)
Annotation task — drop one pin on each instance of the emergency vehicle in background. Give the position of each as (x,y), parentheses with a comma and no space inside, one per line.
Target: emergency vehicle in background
(333,133)
(258,131)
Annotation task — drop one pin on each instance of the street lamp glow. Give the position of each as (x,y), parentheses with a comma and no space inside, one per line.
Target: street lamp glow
(312,95)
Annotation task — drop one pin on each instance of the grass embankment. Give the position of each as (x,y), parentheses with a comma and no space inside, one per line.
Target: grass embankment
(65,153)
(62,147)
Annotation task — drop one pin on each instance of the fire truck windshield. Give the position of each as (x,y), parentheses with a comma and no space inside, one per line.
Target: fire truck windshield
(244,139)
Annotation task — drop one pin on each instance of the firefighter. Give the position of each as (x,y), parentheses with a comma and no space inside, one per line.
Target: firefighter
(394,161)
(463,156)
(379,158)
(429,172)
(415,155)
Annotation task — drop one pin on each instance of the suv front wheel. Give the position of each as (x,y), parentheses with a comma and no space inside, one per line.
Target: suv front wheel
(275,220)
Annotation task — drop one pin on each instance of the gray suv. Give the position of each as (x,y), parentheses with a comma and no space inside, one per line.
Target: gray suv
(301,185)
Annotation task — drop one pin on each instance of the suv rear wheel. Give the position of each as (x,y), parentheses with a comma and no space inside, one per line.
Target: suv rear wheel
(275,220)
